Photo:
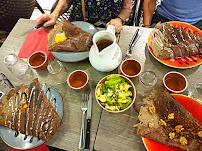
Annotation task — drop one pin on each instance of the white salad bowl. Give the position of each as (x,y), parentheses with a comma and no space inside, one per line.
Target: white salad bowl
(99,94)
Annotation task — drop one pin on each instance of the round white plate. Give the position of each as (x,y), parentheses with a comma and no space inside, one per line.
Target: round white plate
(8,135)
(76,56)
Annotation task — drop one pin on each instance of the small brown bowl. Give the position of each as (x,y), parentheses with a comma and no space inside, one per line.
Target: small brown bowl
(78,80)
(175,82)
(132,89)
(131,68)
(38,60)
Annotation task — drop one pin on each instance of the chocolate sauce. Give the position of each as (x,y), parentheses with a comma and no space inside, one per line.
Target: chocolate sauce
(16,133)
(31,139)
(30,101)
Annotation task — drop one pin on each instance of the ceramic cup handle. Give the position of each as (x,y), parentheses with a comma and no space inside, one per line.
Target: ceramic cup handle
(111,29)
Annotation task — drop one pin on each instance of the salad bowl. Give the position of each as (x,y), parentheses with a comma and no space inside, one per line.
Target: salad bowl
(115,93)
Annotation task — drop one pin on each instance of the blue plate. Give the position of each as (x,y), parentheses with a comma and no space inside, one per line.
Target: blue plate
(8,135)
(76,56)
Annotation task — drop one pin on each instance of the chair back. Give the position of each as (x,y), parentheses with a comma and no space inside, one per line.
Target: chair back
(136,16)
(12,10)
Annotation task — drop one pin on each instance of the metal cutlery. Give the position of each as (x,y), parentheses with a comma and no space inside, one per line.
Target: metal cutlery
(36,27)
(133,41)
(84,109)
(88,117)
(5,80)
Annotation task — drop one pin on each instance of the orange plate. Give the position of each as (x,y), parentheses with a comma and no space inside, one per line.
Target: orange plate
(192,106)
(178,62)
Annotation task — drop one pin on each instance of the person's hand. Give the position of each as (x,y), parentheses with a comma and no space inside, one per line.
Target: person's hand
(51,19)
(117,24)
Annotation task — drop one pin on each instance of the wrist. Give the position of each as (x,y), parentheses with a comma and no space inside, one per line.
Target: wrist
(120,19)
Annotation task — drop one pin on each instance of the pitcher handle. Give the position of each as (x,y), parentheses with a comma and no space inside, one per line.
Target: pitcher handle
(111,29)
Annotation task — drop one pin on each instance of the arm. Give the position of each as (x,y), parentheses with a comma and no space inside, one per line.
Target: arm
(148,11)
(124,14)
(61,7)
(126,9)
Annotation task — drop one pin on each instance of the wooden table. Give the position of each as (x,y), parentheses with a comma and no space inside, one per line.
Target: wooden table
(116,132)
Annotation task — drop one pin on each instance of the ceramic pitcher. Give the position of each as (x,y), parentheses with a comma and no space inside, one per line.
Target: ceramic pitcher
(105,55)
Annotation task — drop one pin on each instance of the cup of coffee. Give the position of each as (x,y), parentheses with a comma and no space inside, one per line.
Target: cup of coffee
(78,80)
(131,68)
(175,82)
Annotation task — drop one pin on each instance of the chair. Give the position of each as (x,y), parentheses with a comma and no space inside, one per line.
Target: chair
(11,11)
(39,7)
(136,16)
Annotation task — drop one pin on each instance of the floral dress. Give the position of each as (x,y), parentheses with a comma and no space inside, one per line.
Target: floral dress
(98,12)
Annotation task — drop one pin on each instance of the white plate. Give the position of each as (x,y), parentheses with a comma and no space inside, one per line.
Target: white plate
(8,135)
(76,56)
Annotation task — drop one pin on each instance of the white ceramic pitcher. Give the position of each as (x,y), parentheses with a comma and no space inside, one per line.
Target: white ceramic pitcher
(109,58)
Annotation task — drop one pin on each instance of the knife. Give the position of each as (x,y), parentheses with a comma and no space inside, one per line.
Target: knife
(88,117)
(36,27)
(133,41)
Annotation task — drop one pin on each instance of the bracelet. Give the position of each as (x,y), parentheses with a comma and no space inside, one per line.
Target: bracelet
(121,19)
(147,26)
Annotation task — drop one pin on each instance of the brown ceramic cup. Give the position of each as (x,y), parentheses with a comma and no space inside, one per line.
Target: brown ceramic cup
(131,68)
(38,60)
(78,80)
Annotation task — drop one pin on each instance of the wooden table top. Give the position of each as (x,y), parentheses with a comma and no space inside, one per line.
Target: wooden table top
(116,132)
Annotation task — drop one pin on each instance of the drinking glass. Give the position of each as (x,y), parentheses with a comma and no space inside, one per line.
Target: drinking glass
(57,71)
(18,67)
(196,91)
(147,80)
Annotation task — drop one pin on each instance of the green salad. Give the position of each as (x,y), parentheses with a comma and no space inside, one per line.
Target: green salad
(114,94)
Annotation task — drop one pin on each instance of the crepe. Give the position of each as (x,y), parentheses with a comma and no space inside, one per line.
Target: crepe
(26,110)
(167,41)
(164,120)
(76,39)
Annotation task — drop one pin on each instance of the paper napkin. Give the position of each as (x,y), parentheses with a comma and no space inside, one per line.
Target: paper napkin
(35,41)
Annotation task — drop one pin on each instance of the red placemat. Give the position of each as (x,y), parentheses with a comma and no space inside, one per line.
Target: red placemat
(35,41)
(42,147)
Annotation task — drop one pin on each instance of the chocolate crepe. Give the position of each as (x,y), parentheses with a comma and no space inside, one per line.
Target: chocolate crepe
(27,111)
(167,41)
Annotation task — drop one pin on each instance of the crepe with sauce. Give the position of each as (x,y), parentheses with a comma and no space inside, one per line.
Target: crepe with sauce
(168,41)
(67,37)
(26,110)
(164,120)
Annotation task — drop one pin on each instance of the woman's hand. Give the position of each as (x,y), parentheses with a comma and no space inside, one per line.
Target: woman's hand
(51,19)
(117,24)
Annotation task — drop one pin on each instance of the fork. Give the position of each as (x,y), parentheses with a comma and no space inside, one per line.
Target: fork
(133,41)
(84,109)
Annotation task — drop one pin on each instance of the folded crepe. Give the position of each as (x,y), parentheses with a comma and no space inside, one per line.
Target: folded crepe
(73,38)
(26,110)
(164,120)
(167,41)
